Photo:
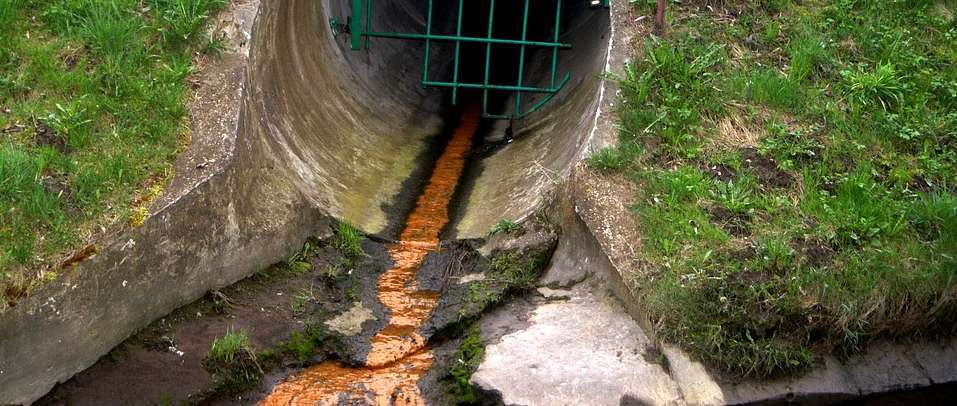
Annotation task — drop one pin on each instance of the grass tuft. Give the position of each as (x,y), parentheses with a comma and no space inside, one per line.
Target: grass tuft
(232,363)
(349,241)
(506,226)
(880,86)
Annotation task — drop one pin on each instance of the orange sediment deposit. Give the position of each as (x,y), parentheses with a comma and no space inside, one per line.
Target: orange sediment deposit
(398,356)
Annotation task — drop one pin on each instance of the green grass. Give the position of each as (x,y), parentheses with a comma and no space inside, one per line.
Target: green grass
(229,348)
(826,216)
(233,364)
(301,299)
(349,241)
(92,112)
(505,226)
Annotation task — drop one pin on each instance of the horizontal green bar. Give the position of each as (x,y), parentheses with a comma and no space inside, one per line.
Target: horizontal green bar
(537,106)
(453,38)
(491,87)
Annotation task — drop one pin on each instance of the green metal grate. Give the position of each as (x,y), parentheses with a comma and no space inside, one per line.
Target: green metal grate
(360,29)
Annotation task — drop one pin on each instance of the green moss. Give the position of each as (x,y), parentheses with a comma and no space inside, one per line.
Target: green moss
(519,270)
(463,363)
(303,345)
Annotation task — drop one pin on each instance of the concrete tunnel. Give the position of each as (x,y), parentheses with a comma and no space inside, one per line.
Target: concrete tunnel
(354,127)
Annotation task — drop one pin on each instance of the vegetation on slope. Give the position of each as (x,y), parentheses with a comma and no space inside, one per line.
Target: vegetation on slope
(797,165)
(92,113)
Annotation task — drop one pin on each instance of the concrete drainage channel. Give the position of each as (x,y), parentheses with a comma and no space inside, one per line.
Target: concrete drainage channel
(316,133)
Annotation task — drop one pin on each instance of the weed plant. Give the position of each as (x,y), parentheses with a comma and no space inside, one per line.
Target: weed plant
(349,241)
(505,226)
(233,364)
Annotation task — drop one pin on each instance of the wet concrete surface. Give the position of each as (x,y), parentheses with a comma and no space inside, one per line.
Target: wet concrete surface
(398,355)
(164,361)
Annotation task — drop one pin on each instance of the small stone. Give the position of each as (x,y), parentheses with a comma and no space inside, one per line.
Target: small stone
(554,294)
(350,322)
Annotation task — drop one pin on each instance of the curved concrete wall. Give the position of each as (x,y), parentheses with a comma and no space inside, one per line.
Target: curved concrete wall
(352,124)
(518,179)
(320,132)
(348,125)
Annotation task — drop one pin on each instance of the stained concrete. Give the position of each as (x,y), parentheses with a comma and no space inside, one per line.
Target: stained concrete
(524,175)
(583,351)
(292,130)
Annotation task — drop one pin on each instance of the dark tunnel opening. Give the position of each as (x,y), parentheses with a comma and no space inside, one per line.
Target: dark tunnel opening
(502,63)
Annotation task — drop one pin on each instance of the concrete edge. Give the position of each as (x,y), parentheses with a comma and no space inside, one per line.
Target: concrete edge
(214,223)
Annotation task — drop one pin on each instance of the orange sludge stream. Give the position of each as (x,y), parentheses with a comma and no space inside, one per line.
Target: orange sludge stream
(398,356)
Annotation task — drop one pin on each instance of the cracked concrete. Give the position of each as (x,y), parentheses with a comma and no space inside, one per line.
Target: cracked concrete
(582,351)
(587,349)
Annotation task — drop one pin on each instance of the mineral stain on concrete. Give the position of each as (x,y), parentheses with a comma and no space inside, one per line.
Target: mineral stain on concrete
(399,356)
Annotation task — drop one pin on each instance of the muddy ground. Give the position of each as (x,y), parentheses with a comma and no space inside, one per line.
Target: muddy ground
(163,363)
(279,309)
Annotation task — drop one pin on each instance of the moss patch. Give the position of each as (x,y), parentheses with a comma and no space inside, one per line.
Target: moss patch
(463,363)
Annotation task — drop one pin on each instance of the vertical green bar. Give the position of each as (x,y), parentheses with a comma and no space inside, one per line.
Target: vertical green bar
(521,61)
(368,21)
(458,47)
(355,25)
(488,57)
(428,46)
(558,23)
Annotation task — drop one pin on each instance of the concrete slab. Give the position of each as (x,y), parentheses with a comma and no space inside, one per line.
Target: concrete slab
(584,351)
(937,360)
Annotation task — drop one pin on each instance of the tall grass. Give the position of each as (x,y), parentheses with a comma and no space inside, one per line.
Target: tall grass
(834,222)
(232,362)
(182,19)
(96,95)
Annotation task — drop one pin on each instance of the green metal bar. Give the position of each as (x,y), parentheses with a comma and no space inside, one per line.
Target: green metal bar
(458,47)
(488,57)
(428,45)
(537,106)
(521,60)
(355,25)
(452,38)
(528,89)
(368,14)
(558,23)
(547,97)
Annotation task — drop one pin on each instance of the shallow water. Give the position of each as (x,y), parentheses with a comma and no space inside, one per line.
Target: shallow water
(399,356)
